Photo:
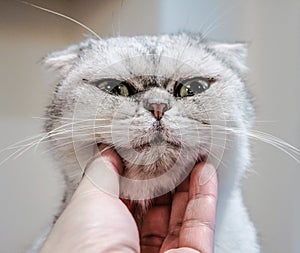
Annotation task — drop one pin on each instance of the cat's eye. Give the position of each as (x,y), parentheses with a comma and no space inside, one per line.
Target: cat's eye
(115,87)
(191,87)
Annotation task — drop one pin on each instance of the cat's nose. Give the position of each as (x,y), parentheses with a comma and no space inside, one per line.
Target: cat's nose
(157,109)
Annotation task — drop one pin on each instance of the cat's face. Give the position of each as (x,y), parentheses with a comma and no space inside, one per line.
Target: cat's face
(162,102)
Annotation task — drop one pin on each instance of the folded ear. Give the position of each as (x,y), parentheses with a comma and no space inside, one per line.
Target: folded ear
(62,61)
(235,55)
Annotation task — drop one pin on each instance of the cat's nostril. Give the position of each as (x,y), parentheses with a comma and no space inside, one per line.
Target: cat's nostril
(157,109)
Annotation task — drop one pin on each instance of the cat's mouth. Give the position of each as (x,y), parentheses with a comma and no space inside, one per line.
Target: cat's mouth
(154,141)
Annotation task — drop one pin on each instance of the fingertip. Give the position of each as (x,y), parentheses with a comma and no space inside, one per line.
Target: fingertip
(129,204)
(111,156)
(102,175)
(204,172)
(203,179)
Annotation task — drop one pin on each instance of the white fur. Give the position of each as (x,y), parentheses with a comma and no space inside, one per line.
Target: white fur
(125,122)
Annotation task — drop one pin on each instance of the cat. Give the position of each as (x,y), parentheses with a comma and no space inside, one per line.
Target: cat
(163,103)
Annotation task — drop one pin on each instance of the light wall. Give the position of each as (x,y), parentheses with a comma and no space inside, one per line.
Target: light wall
(29,187)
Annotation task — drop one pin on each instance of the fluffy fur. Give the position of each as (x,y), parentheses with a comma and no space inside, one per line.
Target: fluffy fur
(209,125)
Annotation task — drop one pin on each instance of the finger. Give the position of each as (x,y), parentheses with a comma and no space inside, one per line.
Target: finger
(97,214)
(111,156)
(184,186)
(103,172)
(129,204)
(154,228)
(180,200)
(199,221)
(182,250)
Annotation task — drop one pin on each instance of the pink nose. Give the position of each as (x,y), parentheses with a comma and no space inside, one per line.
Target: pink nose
(158,110)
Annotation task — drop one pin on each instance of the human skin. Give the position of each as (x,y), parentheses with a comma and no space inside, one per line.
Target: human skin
(95,221)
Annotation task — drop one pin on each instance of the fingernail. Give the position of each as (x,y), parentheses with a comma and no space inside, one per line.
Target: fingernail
(207,172)
(102,174)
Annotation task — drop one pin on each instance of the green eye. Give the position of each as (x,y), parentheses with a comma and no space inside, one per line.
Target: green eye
(115,87)
(192,87)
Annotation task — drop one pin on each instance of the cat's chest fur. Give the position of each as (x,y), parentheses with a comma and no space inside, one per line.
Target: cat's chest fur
(163,103)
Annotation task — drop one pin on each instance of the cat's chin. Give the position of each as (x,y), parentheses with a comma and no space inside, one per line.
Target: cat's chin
(155,169)
(148,146)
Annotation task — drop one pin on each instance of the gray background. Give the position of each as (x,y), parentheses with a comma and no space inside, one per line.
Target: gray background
(29,186)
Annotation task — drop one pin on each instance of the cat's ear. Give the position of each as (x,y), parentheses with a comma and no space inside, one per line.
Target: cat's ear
(62,61)
(233,54)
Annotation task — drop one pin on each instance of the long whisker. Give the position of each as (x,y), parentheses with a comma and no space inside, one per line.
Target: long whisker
(19,143)
(62,126)
(46,136)
(22,146)
(90,142)
(63,16)
(266,138)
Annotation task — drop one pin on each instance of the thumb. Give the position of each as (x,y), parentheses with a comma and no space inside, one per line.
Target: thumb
(103,172)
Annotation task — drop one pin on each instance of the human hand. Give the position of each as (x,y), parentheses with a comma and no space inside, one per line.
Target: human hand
(183,223)
(95,221)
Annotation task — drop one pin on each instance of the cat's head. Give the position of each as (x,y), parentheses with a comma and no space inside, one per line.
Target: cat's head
(163,102)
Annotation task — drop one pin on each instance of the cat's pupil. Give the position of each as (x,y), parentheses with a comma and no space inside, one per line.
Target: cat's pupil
(120,89)
(186,91)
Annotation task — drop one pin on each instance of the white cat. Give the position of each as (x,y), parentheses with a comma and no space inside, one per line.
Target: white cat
(163,103)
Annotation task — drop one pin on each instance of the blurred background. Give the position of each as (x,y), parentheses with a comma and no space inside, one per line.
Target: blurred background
(29,184)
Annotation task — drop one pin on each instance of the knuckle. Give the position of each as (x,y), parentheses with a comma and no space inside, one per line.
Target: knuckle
(196,223)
